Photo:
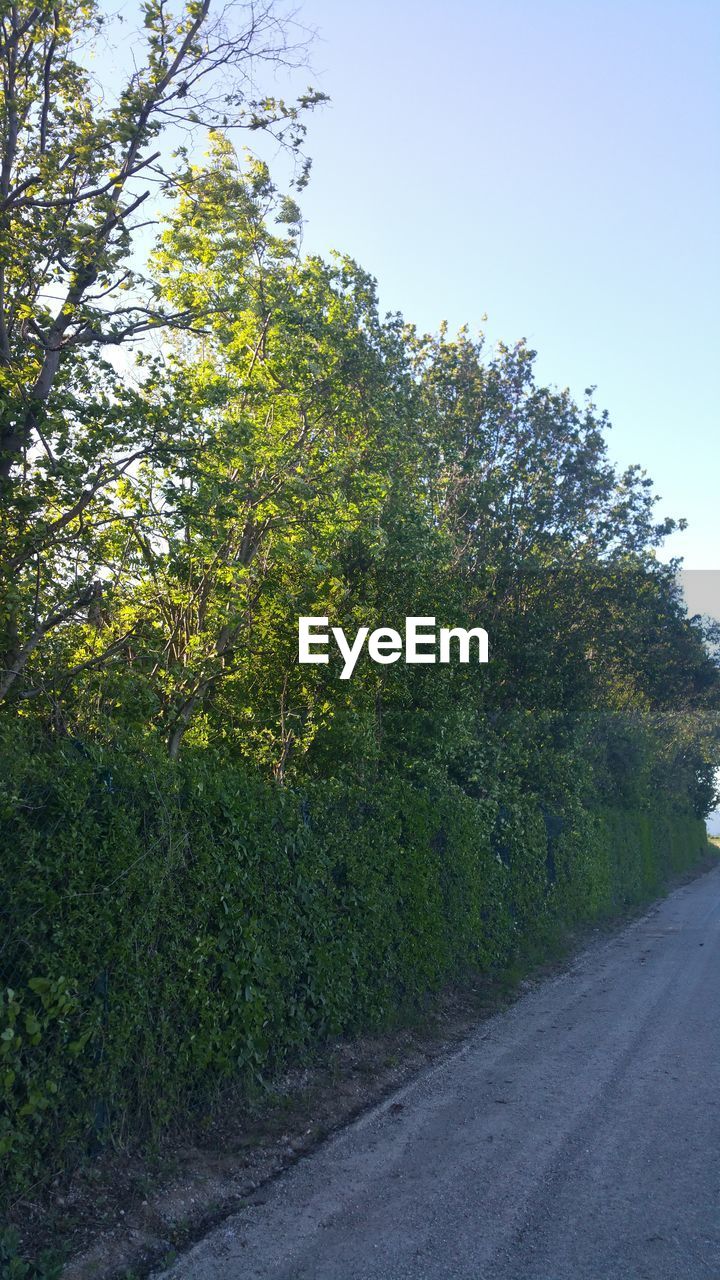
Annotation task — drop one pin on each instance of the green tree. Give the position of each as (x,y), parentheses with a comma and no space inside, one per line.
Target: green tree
(76,175)
(289,414)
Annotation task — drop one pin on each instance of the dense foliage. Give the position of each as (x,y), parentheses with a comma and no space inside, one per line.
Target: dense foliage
(213,855)
(176,926)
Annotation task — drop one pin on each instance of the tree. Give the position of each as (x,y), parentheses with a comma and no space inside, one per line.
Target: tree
(75,179)
(283,421)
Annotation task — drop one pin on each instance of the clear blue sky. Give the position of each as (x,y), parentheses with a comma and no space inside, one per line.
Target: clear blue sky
(554,164)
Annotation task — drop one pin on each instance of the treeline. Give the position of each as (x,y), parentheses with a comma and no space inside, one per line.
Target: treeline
(167,523)
(205,839)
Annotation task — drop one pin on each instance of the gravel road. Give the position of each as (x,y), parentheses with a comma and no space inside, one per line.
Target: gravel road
(575,1136)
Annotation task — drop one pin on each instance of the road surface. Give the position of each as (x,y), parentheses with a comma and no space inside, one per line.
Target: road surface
(576,1136)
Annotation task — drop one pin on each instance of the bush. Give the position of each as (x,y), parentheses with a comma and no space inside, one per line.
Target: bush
(167,928)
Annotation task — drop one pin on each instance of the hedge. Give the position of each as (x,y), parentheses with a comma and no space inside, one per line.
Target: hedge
(166,929)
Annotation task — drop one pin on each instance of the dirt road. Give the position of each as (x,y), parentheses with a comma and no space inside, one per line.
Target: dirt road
(576,1136)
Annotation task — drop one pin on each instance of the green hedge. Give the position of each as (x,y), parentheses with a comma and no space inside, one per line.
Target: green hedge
(164,929)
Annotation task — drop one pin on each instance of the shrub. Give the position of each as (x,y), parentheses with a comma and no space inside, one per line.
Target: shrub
(167,928)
